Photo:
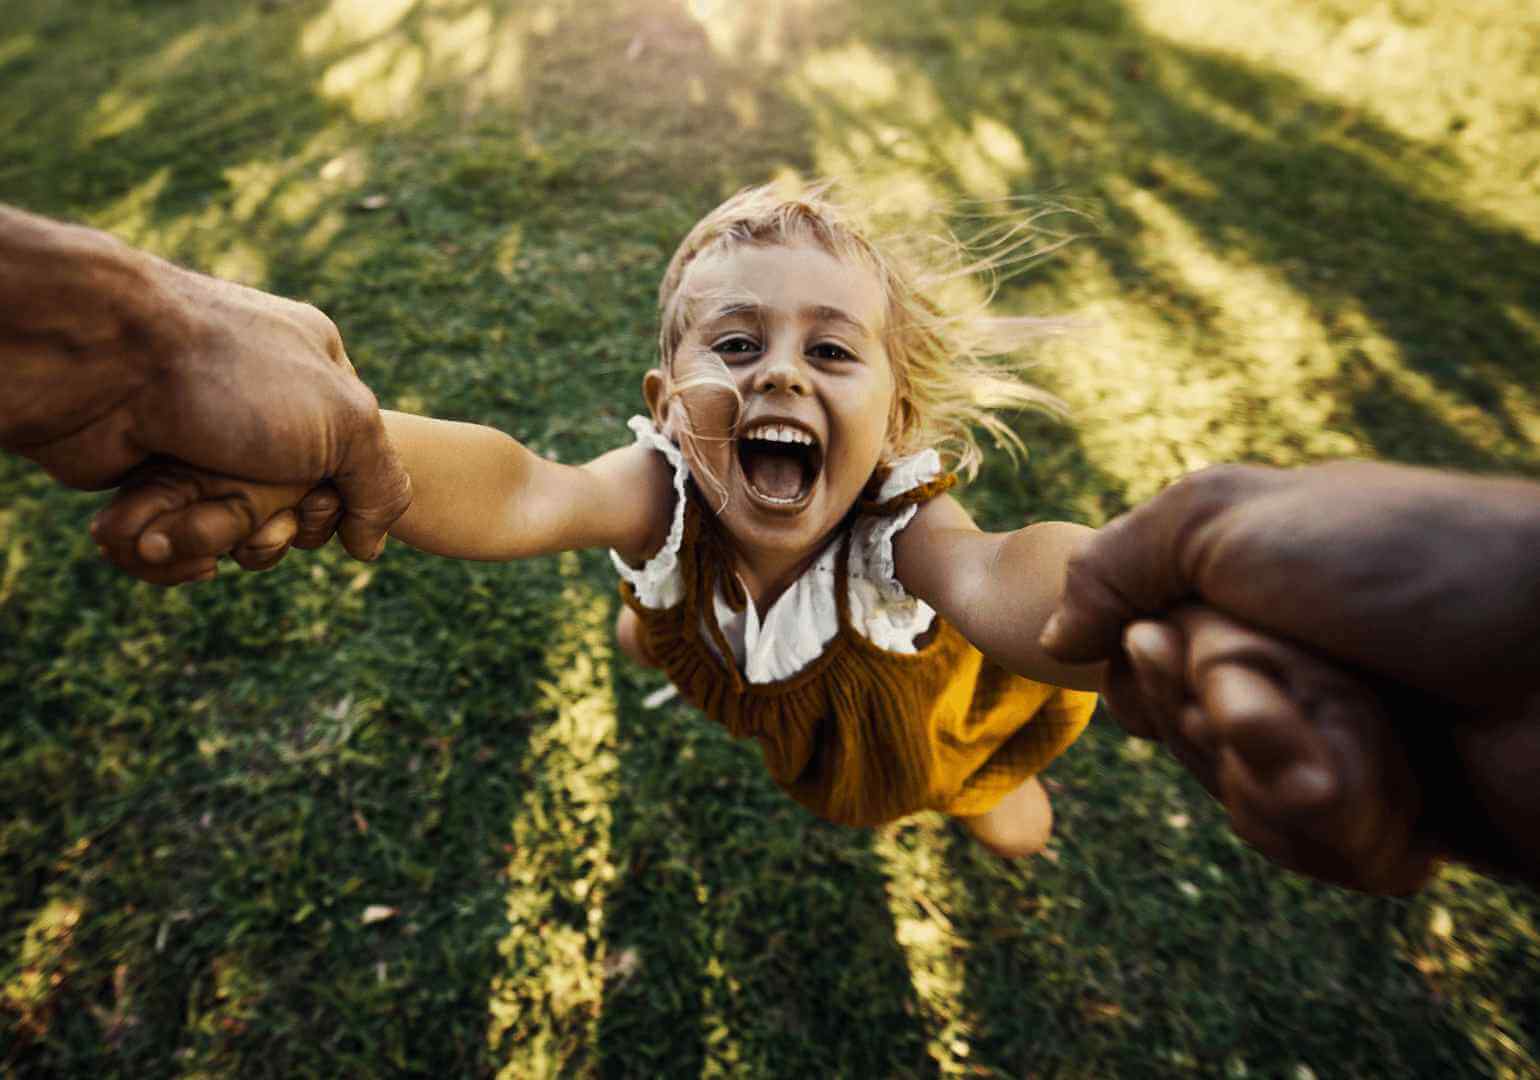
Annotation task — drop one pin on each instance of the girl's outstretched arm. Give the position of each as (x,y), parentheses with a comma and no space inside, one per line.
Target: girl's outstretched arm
(479,494)
(998,589)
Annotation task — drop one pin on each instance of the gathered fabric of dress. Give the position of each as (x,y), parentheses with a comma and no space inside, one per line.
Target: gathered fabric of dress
(860,718)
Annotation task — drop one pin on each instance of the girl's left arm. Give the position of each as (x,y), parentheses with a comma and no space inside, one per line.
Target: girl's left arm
(998,589)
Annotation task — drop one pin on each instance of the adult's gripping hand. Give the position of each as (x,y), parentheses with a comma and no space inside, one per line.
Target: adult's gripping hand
(1426,578)
(117,357)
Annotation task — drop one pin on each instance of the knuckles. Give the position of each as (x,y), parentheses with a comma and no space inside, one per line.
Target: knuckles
(325,330)
(1222,483)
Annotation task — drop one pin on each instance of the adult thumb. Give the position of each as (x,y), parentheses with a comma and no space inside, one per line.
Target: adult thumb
(375,490)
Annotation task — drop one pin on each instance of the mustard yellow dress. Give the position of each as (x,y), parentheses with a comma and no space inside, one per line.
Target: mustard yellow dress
(861,735)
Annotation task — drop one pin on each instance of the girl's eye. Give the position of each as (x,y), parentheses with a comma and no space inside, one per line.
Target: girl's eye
(828,350)
(737,345)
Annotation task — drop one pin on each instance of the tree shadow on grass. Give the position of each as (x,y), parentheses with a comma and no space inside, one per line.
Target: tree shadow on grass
(496,281)
(746,935)
(1258,169)
(265,809)
(1154,943)
(490,276)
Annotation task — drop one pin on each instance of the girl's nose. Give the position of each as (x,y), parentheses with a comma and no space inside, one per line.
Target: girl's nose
(781,372)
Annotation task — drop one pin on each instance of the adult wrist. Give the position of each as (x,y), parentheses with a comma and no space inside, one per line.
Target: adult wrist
(143,294)
(79,288)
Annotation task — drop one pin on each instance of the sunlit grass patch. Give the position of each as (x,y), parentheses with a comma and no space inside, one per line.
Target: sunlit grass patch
(920,888)
(545,1005)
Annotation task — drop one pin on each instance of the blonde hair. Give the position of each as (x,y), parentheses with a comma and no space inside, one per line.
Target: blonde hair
(949,380)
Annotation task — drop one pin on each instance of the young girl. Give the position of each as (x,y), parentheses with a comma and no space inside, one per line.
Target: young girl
(788,553)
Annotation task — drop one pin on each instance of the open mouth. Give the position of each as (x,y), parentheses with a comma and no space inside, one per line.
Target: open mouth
(780,463)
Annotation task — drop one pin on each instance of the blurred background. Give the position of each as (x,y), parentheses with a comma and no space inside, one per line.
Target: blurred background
(412,818)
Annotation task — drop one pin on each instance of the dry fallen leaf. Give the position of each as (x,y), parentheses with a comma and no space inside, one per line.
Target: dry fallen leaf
(623,964)
(660,697)
(1441,923)
(378,913)
(1100,1012)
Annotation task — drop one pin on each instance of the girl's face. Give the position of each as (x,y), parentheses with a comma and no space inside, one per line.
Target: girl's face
(801,333)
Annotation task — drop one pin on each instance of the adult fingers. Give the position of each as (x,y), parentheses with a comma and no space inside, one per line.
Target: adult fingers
(116,530)
(118,526)
(1285,760)
(266,548)
(1308,768)
(226,515)
(1125,699)
(320,512)
(1142,563)
(1145,689)
(182,572)
(1342,845)
(207,528)
(1251,821)
(1146,680)
(167,513)
(1249,687)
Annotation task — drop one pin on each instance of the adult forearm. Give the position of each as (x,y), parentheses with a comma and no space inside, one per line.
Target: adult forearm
(74,306)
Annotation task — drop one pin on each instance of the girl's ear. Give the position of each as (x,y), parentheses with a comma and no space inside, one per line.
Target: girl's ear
(655,393)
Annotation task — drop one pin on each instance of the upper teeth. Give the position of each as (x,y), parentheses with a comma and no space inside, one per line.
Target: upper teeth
(778,433)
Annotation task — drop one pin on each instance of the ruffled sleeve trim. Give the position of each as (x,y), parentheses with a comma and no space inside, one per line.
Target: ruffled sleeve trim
(881,609)
(908,473)
(659,582)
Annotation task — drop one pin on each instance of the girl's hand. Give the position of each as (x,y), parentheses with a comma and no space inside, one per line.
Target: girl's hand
(169,523)
(1301,753)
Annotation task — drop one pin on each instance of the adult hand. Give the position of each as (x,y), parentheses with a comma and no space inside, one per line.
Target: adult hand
(1426,578)
(114,356)
(1301,754)
(168,523)
(1423,586)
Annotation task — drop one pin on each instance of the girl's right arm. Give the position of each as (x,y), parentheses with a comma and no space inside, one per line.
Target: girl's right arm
(476,494)
(479,494)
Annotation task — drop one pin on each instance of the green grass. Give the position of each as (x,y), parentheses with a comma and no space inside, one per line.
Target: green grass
(1312,230)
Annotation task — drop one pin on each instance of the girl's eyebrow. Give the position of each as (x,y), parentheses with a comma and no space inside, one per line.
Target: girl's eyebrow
(825,314)
(733,310)
(820,313)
